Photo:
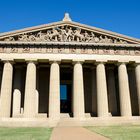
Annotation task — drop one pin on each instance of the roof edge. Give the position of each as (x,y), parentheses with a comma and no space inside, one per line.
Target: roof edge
(98,30)
(68,43)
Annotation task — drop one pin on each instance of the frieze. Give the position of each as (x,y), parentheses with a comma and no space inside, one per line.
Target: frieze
(26,49)
(116,51)
(84,50)
(1,49)
(38,50)
(65,34)
(94,50)
(137,52)
(14,50)
(106,51)
(71,50)
(127,52)
(49,50)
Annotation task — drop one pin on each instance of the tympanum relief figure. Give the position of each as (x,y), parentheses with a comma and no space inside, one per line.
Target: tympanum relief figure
(65,34)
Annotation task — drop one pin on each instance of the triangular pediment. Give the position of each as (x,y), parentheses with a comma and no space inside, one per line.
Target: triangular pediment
(66,31)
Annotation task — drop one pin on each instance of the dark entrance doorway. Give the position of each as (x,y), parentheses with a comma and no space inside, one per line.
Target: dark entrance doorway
(65,98)
(66,89)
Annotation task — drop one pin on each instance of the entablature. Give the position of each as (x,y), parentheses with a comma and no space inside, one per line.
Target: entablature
(70,48)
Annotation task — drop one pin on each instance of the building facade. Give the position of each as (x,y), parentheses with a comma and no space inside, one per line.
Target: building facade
(67,71)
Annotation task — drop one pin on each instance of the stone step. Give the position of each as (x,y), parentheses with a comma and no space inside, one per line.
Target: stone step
(64,115)
(87,115)
(41,115)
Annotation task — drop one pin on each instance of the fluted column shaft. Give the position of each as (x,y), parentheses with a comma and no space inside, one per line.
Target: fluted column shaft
(125,104)
(30,89)
(102,99)
(6,90)
(78,91)
(137,71)
(54,93)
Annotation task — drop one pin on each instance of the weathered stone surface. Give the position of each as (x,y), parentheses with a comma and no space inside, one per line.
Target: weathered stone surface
(84,59)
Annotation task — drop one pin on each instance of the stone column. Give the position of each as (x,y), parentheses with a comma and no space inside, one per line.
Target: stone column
(6,90)
(78,91)
(137,71)
(30,89)
(125,105)
(16,103)
(102,99)
(54,93)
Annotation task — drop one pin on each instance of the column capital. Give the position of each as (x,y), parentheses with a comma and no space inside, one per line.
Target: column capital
(136,64)
(77,62)
(121,63)
(8,61)
(100,62)
(31,61)
(55,61)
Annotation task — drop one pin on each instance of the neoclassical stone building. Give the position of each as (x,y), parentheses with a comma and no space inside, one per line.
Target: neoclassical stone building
(68,72)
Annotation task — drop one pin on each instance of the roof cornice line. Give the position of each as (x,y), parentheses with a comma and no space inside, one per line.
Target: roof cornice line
(111,33)
(38,27)
(72,23)
(67,43)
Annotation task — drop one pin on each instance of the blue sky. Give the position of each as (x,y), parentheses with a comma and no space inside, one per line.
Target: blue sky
(122,16)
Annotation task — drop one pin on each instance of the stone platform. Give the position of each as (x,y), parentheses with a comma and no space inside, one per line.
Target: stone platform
(45,122)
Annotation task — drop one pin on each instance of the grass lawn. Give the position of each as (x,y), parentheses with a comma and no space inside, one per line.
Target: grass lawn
(25,133)
(118,132)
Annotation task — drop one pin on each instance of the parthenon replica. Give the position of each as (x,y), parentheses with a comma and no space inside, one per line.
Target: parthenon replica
(69,73)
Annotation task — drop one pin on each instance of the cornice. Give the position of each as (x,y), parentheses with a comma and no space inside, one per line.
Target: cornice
(70,23)
(68,44)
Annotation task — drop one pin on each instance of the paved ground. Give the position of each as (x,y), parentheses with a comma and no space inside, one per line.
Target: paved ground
(75,133)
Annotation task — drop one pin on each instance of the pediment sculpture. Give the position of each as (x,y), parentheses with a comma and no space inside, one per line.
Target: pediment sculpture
(65,34)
